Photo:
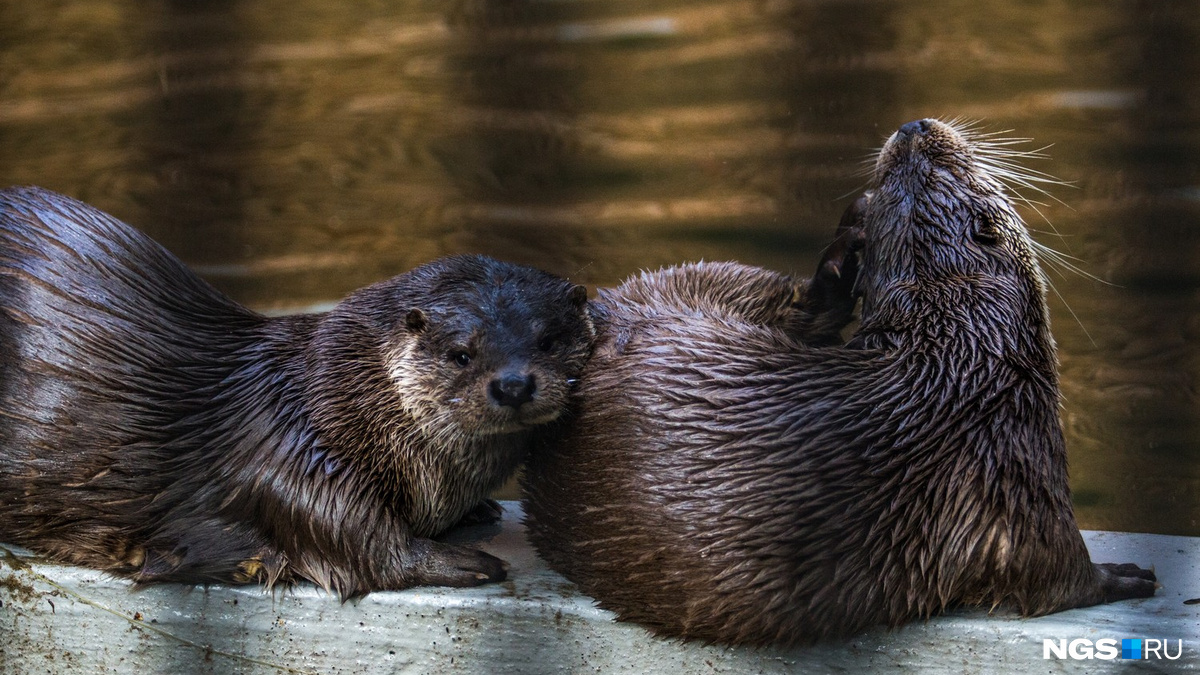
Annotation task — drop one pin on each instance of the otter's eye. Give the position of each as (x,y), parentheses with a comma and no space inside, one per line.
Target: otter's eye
(460,358)
(987,236)
(547,343)
(984,231)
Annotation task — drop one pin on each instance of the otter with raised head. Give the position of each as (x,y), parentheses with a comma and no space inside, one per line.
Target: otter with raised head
(724,480)
(153,428)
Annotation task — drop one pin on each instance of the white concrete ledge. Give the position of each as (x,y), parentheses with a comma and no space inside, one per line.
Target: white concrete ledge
(57,619)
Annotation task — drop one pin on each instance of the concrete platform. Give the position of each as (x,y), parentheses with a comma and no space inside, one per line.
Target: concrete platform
(56,619)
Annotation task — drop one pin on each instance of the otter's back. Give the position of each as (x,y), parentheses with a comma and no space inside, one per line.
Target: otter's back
(104,338)
(620,500)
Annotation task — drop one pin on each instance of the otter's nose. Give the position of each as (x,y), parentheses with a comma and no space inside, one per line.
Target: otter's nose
(915,128)
(512,389)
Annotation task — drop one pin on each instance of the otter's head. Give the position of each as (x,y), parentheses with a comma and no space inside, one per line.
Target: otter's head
(944,247)
(485,347)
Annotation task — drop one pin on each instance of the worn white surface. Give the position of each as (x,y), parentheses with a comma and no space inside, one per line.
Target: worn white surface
(56,619)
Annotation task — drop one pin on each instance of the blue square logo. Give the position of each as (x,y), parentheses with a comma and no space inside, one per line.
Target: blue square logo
(1131,648)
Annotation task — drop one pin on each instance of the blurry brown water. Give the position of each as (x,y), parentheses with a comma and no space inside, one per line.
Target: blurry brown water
(293,151)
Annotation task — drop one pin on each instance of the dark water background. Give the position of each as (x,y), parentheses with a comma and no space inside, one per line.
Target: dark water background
(293,151)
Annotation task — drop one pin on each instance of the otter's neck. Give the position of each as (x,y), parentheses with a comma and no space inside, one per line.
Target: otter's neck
(982,350)
(428,473)
(977,319)
(348,397)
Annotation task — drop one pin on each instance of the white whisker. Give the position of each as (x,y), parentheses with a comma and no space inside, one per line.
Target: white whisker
(1060,261)
(999,156)
(861,187)
(1075,316)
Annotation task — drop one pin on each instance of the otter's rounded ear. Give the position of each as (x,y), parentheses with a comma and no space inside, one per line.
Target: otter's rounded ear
(416,320)
(578,295)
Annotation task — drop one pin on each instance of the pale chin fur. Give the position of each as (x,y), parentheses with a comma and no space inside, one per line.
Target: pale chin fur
(518,425)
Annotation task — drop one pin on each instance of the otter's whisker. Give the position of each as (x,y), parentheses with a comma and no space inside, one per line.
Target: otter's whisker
(967,127)
(1070,310)
(861,186)
(866,166)
(1017,170)
(1063,261)
(1050,232)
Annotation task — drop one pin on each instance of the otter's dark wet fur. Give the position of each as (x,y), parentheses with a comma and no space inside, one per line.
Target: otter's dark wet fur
(726,481)
(153,428)
(732,292)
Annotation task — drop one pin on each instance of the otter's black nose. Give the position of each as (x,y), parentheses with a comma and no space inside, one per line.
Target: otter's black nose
(914,128)
(512,389)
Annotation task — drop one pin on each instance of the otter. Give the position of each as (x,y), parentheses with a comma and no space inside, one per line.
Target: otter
(727,481)
(153,428)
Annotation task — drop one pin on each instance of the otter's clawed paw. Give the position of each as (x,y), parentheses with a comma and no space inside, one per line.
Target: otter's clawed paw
(1128,570)
(833,283)
(268,567)
(1121,581)
(486,512)
(450,565)
(159,566)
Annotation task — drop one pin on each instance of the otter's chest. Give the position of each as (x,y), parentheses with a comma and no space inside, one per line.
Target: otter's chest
(444,486)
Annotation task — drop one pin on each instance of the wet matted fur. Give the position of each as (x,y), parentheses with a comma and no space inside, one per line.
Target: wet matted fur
(725,480)
(153,428)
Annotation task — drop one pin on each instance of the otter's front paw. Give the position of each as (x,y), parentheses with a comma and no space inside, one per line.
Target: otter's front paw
(1121,581)
(441,564)
(832,287)
(486,512)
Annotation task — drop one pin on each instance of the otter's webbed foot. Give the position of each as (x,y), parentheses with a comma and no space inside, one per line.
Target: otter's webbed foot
(486,512)
(439,564)
(1122,581)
